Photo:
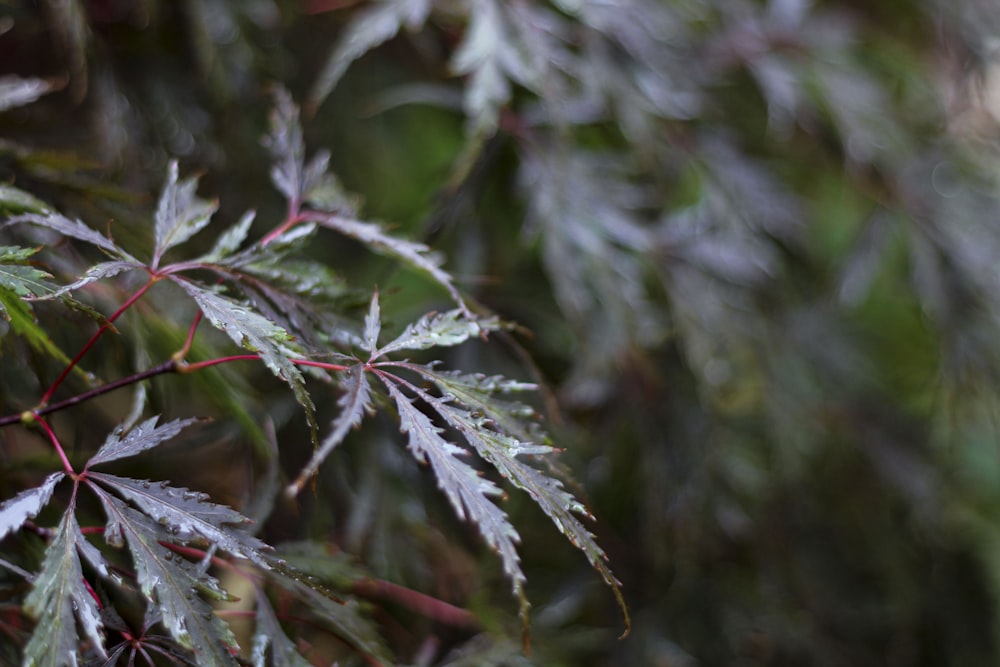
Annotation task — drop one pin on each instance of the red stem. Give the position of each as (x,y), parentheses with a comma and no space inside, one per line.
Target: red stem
(294,218)
(93,339)
(55,443)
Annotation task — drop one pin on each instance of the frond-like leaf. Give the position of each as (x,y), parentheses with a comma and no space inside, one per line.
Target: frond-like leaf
(180,213)
(355,402)
(140,438)
(375,238)
(252,332)
(372,26)
(15,200)
(20,277)
(468,492)
(22,321)
(173,582)
(439,330)
(187,516)
(98,272)
(60,599)
(72,228)
(27,504)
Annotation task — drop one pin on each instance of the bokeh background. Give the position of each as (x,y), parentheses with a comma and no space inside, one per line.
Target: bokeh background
(754,249)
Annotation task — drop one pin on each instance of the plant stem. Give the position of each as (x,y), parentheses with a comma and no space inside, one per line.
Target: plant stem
(93,339)
(55,443)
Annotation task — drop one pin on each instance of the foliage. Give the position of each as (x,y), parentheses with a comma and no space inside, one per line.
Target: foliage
(749,248)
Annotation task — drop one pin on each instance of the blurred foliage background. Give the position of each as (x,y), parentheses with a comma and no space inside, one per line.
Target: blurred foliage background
(754,246)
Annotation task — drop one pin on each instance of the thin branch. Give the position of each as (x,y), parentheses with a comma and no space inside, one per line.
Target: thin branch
(55,443)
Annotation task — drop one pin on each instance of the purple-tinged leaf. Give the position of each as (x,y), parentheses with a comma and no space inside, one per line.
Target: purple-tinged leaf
(59,600)
(72,228)
(468,492)
(375,238)
(354,403)
(138,439)
(187,516)
(172,583)
(373,324)
(271,646)
(375,24)
(97,272)
(180,214)
(230,241)
(27,504)
(253,332)
(439,330)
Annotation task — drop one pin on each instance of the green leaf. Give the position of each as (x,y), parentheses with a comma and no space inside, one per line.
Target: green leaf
(58,600)
(14,200)
(138,439)
(180,214)
(22,321)
(172,581)
(27,504)
(20,278)
(375,24)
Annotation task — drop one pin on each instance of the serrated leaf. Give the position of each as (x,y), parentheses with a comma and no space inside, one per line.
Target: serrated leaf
(286,146)
(98,272)
(230,241)
(478,392)
(180,213)
(172,581)
(354,403)
(26,505)
(374,236)
(138,439)
(253,332)
(16,91)
(373,324)
(439,330)
(15,200)
(185,516)
(271,646)
(72,228)
(547,492)
(372,26)
(20,278)
(468,492)
(59,600)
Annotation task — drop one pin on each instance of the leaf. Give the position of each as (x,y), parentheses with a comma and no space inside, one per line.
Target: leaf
(173,580)
(354,403)
(439,330)
(463,485)
(253,332)
(27,504)
(22,321)
(180,214)
(187,516)
(230,241)
(72,228)
(98,272)
(15,200)
(370,27)
(58,600)
(373,325)
(138,439)
(500,450)
(16,91)
(18,277)
(374,236)
(478,393)
(270,640)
